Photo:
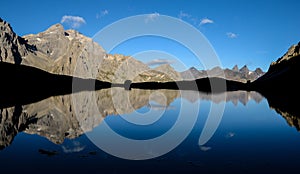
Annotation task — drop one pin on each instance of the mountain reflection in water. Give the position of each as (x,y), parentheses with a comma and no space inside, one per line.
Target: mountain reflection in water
(55,117)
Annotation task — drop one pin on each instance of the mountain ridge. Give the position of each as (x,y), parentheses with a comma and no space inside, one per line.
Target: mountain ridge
(68,52)
(282,73)
(241,75)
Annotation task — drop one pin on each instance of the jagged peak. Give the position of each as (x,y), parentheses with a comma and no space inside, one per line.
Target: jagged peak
(245,67)
(167,66)
(13,47)
(71,31)
(258,70)
(56,27)
(3,21)
(293,51)
(193,69)
(216,68)
(235,68)
(6,26)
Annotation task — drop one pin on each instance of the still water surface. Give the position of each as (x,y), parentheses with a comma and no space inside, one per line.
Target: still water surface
(48,136)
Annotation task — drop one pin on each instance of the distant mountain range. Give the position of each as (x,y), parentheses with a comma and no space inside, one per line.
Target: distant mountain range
(58,51)
(68,52)
(55,117)
(234,74)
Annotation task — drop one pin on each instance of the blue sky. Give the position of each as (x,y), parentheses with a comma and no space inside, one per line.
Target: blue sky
(254,32)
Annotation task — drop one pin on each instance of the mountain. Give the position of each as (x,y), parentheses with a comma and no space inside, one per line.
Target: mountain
(282,74)
(54,50)
(169,71)
(65,52)
(57,118)
(235,68)
(259,71)
(12,47)
(68,52)
(162,73)
(234,74)
(193,73)
(244,70)
(235,97)
(118,68)
(280,85)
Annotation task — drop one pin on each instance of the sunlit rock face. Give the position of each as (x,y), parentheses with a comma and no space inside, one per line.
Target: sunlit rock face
(68,52)
(69,116)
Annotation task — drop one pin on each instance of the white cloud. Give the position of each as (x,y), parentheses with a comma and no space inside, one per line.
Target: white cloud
(159,62)
(194,20)
(231,35)
(73,21)
(206,21)
(151,17)
(102,14)
(183,15)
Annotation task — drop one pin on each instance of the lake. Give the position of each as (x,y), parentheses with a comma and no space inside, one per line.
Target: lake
(149,131)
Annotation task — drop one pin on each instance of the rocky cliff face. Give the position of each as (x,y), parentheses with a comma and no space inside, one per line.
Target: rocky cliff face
(281,87)
(169,71)
(162,73)
(193,73)
(12,47)
(282,74)
(68,52)
(292,52)
(65,52)
(235,74)
(58,118)
(292,55)
(12,121)
(235,68)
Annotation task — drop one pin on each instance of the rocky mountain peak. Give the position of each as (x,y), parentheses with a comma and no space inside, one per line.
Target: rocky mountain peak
(259,71)
(293,51)
(65,52)
(4,26)
(56,28)
(68,52)
(235,68)
(215,72)
(169,71)
(244,69)
(235,74)
(191,73)
(193,69)
(165,66)
(12,47)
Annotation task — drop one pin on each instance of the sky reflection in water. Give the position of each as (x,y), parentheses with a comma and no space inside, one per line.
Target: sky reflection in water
(251,137)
